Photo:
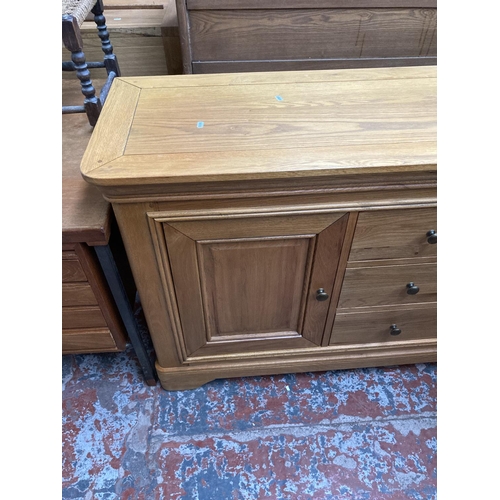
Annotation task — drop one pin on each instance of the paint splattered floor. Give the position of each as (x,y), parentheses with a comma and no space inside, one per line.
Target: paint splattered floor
(354,434)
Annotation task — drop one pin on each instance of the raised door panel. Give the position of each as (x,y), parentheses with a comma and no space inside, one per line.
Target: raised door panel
(247,283)
(248,286)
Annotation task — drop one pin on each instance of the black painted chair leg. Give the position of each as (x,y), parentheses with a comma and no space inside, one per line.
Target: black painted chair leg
(72,40)
(110,270)
(110,60)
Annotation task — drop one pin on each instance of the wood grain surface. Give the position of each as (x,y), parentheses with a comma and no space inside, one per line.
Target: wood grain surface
(72,270)
(85,213)
(78,294)
(323,122)
(394,234)
(382,285)
(373,325)
(88,340)
(234,290)
(243,297)
(228,35)
(82,317)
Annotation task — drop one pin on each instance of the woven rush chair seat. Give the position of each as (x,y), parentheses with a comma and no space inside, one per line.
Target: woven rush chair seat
(79,9)
(74,13)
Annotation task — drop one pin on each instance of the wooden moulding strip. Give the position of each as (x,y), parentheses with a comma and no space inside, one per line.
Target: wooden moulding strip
(194,376)
(250,165)
(110,135)
(315,352)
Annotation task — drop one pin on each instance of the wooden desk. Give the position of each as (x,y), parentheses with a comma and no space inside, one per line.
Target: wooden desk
(276,222)
(223,36)
(97,285)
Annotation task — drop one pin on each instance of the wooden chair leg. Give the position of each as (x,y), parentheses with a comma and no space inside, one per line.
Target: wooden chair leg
(72,40)
(110,60)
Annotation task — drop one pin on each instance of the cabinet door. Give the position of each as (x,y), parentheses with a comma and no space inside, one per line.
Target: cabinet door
(242,284)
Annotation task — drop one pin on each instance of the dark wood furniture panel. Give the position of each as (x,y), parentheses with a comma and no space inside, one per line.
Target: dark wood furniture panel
(306,4)
(312,34)
(78,294)
(201,67)
(72,270)
(82,317)
(89,340)
(251,35)
(88,305)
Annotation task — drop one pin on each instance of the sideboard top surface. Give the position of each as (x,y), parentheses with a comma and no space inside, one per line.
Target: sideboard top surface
(197,128)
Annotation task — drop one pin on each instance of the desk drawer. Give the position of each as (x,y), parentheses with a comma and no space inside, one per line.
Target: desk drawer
(387,284)
(71,268)
(78,294)
(394,234)
(91,340)
(83,317)
(374,326)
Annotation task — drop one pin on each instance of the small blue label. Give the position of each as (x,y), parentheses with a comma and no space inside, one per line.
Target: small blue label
(279,98)
(200,124)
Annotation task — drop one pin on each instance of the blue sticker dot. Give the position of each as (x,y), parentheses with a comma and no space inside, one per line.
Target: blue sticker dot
(200,124)
(279,98)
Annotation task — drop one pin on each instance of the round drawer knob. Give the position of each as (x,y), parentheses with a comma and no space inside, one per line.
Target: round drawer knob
(395,330)
(412,289)
(432,237)
(321,294)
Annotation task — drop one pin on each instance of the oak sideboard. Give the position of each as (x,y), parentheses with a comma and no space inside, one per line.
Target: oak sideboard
(276,222)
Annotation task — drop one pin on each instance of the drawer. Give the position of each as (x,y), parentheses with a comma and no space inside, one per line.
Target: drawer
(71,268)
(394,234)
(229,35)
(90,340)
(78,294)
(374,326)
(83,317)
(387,284)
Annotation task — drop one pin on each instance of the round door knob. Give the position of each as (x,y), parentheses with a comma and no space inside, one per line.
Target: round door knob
(321,294)
(432,237)
(412,289)
(395,330)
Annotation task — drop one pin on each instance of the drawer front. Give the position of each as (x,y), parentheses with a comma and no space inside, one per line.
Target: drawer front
(367,327)
(394,234)
(381,285)
(82,317)
(71,268)
(78,294)
(91,340)
(227,35)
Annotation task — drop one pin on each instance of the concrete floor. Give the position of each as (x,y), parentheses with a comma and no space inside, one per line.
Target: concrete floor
(352,434)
